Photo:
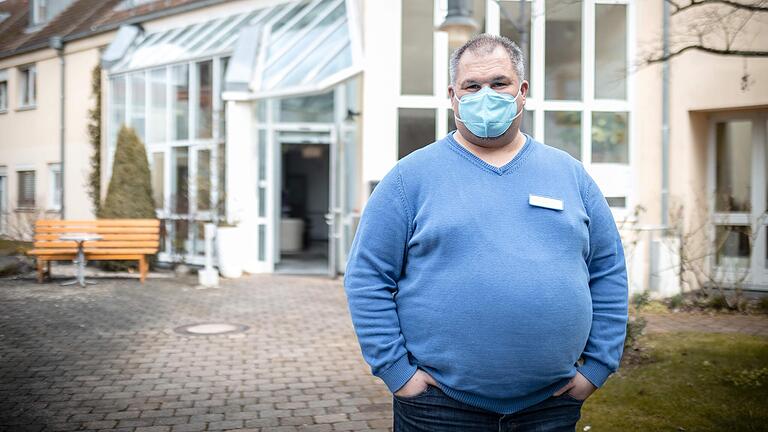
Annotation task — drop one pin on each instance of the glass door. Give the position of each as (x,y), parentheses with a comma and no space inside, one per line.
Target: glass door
(738,184)
(294,191)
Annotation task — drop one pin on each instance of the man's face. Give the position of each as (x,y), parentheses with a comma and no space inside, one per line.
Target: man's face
(494,69)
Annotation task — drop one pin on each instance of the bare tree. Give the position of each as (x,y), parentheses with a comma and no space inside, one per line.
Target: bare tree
(701,247)
(721,27)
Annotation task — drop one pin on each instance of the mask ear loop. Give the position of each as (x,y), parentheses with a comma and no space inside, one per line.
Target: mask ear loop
(455,113)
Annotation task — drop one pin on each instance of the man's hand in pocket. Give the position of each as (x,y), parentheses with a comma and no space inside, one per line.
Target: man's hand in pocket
(417,384)
(578,387)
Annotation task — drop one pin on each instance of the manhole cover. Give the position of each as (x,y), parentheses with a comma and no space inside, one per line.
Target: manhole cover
(207,329)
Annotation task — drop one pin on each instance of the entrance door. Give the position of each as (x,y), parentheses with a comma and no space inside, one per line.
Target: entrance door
(274,199)
(739,160)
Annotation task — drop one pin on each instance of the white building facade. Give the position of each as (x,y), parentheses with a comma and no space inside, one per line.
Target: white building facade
(280,117)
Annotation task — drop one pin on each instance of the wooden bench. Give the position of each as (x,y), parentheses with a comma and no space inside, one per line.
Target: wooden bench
(122,239)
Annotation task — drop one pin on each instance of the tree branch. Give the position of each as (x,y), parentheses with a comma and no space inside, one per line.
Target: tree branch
(694,3)
(725,52)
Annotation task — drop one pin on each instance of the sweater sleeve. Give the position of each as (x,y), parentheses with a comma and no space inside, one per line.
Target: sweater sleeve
(608,288)
(373,269)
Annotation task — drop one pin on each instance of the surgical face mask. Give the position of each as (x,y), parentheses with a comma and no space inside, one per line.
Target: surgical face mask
(488,113)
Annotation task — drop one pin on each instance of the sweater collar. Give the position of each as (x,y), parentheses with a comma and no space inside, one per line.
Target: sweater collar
(510,166)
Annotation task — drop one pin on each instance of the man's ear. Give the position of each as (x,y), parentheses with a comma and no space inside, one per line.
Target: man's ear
(450,91)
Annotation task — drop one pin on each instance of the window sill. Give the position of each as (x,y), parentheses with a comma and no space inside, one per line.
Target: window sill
(53,210)
(26,108)
(25,209)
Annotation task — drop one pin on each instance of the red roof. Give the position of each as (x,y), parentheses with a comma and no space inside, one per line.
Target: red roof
(81,19)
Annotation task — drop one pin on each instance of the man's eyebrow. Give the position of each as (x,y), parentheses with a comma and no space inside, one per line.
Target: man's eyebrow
(497,78)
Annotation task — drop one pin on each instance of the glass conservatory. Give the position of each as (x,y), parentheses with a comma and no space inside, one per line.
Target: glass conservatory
(252,119)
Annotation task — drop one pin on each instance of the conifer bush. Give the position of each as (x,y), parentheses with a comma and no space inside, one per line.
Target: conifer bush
(129,195)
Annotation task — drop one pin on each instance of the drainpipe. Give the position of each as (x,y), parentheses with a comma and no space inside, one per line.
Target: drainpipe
(57,43)
(665,119)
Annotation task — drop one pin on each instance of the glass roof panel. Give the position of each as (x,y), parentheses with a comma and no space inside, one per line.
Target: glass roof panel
(311,58)
(338,63)
(306,42)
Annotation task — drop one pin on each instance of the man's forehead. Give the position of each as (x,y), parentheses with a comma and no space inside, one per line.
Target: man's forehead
(484,64)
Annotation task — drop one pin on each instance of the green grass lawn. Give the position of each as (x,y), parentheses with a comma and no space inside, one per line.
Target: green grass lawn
(690,382)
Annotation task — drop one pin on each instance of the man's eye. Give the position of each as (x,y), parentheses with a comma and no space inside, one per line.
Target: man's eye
(497,85)
(473,87)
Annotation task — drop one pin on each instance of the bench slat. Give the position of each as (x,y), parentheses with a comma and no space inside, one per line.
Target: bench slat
(92,257)
(100,251)
(52,251)
(99,230)
(106,237)
(99,222)
(96,244)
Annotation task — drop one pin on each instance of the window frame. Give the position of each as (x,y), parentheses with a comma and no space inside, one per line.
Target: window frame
(27,87)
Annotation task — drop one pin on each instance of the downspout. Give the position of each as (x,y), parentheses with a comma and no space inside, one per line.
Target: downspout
(57,43)
(665,119)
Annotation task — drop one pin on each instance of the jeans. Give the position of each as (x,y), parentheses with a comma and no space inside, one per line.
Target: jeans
(434,411)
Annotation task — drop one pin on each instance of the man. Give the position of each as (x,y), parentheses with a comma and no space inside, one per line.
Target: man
(485,266)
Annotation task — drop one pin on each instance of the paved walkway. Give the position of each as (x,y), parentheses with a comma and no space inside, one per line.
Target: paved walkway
(107,357)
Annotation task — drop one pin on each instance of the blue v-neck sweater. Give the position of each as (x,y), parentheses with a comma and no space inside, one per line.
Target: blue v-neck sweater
(456,270)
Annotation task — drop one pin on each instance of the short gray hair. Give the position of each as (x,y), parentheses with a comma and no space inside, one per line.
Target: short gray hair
(485,43)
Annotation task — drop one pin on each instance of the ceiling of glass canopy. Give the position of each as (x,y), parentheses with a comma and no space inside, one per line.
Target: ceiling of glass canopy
(289,48)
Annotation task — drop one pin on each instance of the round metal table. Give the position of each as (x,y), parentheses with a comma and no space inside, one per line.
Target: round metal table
(79,261)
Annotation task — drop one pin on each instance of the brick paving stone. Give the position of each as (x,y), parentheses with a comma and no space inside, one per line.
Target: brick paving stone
(107,356)
(191,427)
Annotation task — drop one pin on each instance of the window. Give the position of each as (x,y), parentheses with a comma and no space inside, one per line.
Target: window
(130,4)
(157,106)
(158,179)
(610,51)
(117,109)
(562,56)
(54,186)
(417,39)
(44,10)
(203,180)
(205,99)
(180,102)
(3,200)
(27,86)
(510,26)
(3,91)
(564,131)
(416,128)
(610,143)
(138,99)
(26,191)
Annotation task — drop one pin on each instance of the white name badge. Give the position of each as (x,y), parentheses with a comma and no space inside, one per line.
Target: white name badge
(540,201)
